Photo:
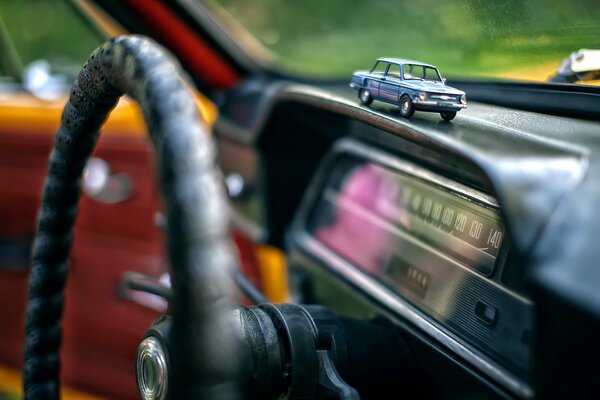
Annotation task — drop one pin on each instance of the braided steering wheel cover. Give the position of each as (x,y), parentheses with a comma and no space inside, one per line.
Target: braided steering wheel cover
(205,346)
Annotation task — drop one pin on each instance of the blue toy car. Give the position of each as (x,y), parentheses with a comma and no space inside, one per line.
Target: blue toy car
(411,85)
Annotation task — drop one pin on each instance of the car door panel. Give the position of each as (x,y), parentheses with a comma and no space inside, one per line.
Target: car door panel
(389,90)
(107,243)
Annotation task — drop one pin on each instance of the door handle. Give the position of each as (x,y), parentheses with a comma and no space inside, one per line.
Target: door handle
(147,291)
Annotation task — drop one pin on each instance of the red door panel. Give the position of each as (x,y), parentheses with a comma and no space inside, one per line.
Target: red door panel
(101,330)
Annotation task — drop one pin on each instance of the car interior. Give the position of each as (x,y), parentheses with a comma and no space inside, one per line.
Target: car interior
(195,203)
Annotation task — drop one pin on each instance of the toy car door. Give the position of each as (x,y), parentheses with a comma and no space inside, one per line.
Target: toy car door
(388,89)
(376,76)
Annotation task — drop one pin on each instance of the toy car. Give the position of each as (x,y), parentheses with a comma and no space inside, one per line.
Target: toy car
(411,85)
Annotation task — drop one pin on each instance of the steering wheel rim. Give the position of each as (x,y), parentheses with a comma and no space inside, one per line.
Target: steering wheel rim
(204,340)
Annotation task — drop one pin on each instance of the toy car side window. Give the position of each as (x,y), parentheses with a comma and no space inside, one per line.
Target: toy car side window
(394,71)
(379,68)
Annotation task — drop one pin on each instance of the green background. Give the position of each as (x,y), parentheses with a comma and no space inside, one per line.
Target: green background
(461,37)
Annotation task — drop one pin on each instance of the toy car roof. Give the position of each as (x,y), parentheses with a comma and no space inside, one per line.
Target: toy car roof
(403,61)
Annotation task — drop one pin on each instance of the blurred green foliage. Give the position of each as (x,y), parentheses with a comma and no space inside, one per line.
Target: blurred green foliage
(461,37)
(50,30)
(7,396)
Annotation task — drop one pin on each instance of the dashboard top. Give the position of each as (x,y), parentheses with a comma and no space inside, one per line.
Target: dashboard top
(541,168)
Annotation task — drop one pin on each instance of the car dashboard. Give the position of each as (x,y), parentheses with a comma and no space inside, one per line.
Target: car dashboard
(457,232)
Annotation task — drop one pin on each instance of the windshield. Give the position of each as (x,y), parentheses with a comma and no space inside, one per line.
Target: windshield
(415,71)
(512,39)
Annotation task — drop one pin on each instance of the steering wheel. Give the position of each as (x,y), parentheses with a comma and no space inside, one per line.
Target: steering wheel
(204,340)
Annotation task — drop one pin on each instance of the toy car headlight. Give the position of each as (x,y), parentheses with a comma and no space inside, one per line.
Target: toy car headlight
(422,95)
(463,99)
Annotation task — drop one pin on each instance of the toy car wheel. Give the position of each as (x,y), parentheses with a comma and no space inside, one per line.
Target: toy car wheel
(365,97)
(448,115)
(407,109)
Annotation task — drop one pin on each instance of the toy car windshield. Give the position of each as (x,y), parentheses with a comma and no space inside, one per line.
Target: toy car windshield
(421,72)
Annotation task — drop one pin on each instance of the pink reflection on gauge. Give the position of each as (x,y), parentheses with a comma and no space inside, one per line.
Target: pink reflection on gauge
(366,192)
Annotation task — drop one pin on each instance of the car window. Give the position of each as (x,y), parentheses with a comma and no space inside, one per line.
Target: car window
(49,31)
(379,68)
(394,71)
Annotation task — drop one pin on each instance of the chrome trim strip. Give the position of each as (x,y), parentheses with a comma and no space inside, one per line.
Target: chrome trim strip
(438,103)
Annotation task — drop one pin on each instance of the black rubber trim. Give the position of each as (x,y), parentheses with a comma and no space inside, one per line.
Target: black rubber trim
(569,100)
